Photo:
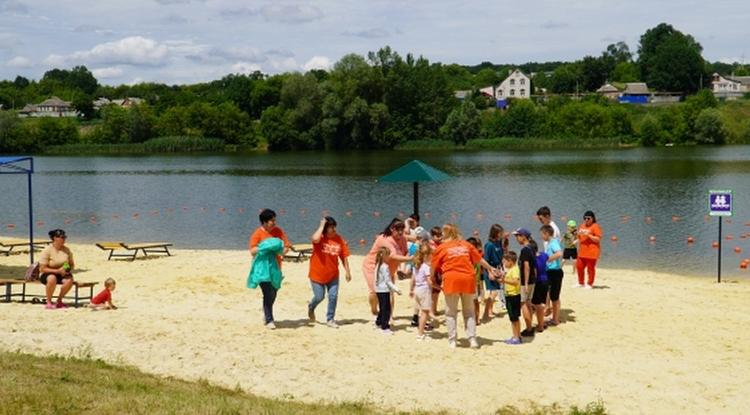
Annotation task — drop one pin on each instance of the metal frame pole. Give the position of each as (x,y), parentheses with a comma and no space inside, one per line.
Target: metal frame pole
(31,216)
(416,198)
(718,274)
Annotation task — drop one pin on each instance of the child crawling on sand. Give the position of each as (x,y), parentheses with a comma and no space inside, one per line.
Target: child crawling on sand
(103,300)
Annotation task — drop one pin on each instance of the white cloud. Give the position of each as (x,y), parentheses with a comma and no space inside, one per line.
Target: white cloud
(317,62)
(19,62)
(291,13)
(108,72)
(374,33)
(15,7)
(134,50)
(245,68)
(283,64)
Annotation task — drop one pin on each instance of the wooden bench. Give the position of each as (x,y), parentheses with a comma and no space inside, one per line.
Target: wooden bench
(299,252)
(145,247)
(7,247)
(78,291)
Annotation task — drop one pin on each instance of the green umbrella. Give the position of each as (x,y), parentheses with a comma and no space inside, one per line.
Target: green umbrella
(415,171)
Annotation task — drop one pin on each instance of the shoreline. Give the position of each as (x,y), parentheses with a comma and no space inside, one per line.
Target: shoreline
(189,316)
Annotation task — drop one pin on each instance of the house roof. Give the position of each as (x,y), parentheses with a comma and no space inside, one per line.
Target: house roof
(54,102)
(607,88)
(636,88)
(28,108)
(744,80)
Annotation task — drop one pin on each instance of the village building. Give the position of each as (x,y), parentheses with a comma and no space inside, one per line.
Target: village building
(52,107)
(730,87)
(516,85)
(609,91)
(124,102)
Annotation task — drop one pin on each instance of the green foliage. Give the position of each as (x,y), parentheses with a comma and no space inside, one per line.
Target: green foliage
(566,79)
(12,138)
(670,60)
(625,72)
(83,103)
(709,128)
(650,131)
(462,124)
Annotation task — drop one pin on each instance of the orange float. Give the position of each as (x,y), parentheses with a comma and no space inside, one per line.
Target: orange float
(715,244)
(729,237)
(652,238)
(737,250)
(743,265)
(40,223)
(649,220)
(348,213)
(614,238)
(563,218)
(376,214)
(690,239)
(10,226)
(362,242)
(675,218)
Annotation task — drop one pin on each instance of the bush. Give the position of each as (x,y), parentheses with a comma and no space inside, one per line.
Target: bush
(709,128)
(462,124)
(650,131)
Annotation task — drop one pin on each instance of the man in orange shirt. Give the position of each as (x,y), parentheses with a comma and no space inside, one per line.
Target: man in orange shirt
(328,248)
(268,229)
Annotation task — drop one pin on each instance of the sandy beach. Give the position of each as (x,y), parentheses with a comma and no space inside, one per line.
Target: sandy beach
(644,342)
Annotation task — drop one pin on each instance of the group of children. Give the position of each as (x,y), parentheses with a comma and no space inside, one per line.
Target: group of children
(528,285)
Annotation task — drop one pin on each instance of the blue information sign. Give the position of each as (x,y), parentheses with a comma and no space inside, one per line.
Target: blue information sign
(720,202)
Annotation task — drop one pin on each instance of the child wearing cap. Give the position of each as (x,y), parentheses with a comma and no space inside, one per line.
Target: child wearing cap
(570,245)
(527,271)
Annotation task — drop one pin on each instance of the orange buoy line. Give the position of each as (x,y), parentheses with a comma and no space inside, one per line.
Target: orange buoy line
(690,239)
(737,250)
(614,238)
(652,238)
(715,244)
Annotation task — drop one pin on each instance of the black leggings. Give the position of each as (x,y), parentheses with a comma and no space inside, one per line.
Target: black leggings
(384,311)
(555,283)
(269,297)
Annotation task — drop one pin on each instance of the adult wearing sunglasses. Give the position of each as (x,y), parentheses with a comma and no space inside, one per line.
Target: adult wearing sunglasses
(589,249)
(55,268)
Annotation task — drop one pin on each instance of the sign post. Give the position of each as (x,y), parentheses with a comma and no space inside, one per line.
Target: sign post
(719,204)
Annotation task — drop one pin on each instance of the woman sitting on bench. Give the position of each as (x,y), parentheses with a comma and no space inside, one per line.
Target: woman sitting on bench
(55,266)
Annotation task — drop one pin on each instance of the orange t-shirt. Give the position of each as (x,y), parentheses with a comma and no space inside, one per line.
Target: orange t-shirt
(324,262)
(586,247)
(261,233)
(456,260)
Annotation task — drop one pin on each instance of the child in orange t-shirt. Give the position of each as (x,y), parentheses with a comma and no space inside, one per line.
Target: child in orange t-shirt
(103,300)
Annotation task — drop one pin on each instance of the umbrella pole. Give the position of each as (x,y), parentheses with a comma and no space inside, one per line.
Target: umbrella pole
(416,198)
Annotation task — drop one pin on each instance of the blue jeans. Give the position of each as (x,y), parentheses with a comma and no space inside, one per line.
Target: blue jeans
(319,292)
(269,297)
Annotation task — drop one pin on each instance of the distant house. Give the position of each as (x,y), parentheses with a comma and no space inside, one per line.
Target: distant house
(52,107)
(516,85)
(730,87)
(462,94)
(124,102)
(635,93)
(609,91)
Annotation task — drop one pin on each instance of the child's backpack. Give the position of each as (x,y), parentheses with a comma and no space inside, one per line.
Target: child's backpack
(32,272)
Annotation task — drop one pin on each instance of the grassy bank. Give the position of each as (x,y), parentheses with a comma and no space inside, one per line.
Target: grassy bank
(512,143)
(156,145)
(32,385)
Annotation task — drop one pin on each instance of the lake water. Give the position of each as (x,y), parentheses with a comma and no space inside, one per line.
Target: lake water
(212,201)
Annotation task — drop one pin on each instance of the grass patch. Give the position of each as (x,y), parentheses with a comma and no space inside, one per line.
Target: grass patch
(33,385)
(155,145)
(512,143)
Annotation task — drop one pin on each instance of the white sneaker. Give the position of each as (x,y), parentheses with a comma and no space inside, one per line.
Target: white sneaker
(588,287)
(577,285)
(473,343)
(452,344)
(271,326)
(386,332)
(422,338)
(332,324)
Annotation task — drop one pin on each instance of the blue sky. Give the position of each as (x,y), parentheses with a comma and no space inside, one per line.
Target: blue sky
(185,41)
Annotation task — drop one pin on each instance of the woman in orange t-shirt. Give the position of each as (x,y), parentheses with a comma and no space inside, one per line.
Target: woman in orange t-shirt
(392,238)
(455,259)
(589,248)
(328,248)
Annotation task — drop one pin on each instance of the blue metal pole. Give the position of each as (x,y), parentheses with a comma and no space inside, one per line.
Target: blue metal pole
(31,216)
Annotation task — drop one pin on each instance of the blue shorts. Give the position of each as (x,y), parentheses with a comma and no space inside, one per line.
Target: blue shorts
(490,285)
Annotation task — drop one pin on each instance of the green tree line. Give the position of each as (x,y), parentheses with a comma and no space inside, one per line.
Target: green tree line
(384,99)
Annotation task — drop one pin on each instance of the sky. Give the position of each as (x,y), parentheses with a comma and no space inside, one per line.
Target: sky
(188,41)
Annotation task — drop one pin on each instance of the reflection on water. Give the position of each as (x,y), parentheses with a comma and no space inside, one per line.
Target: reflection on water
(212,201)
